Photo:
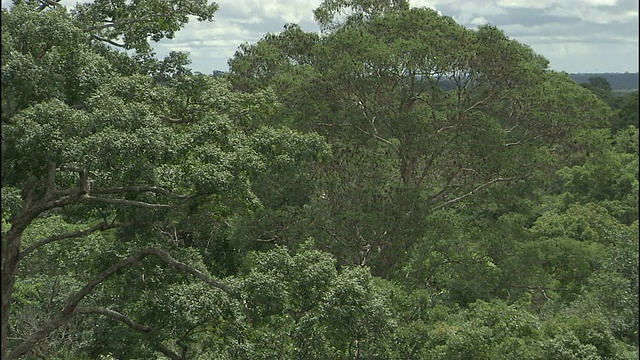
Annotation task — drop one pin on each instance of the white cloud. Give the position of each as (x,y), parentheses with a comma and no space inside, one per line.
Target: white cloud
(286,11)
(537,4)
(575,35)
(478,21)
(589,58)
(545,4)
(594,14)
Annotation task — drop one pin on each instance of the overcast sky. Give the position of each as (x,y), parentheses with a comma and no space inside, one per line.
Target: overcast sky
(576,36)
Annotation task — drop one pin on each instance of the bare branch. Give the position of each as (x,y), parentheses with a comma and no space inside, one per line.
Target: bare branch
(445,187)
(168,353)
(114,23)
(93,36)
(480,102)
(114,314)
(137,189)
(132,324)
(46,3)
(332,124)
(380,138)
(174,120)
(142,204)
(72,303)
(84,189)
(445,128)
(74,234)
(522,139)
(476,189)
(166,257)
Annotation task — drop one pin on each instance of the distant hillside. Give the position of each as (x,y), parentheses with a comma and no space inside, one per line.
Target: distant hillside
(618,81)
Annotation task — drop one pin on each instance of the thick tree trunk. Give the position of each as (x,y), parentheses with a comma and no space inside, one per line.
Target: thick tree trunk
(10,261)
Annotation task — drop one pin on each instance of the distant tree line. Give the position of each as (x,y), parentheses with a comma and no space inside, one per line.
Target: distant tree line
(618,81)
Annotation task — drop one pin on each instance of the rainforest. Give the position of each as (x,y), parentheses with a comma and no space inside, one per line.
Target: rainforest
(395,186)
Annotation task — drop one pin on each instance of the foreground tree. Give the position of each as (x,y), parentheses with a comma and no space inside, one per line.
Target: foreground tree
(90,148)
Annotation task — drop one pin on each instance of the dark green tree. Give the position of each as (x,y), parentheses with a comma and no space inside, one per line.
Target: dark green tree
(422,114)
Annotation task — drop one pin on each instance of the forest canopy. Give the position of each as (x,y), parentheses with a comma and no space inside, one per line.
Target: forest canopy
(396,186)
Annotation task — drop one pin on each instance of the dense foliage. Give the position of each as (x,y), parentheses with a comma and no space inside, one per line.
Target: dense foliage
(394,187)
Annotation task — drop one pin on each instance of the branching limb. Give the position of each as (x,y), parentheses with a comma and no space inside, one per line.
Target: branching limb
(74,234)
(137,189)
(115,23)
(45,3)
(445,187)
(129,322)
(379,138)
(174,120)
(89,198)
(476,189)
(72,303)
(93,36)
(168,353)
(114,314)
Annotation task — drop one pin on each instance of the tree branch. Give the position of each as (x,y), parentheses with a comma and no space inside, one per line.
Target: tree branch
(74,234)
(375,136)
(174,120)
(46,3)
(72,303)
(478,188)
(115,23)
(114,314)
(168,353)
(445,187)
(137,189)
(89,198)
(132,324)
(93,36)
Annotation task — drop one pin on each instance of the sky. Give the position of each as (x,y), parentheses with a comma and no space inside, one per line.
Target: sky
(576,36)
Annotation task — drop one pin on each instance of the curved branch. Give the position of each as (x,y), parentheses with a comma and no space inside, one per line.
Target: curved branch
(74,234)
(175,121)
(132,324)
(46,3)
(379,138)
(72,303)
(114,314)
(93,36)
(115,23)
(168,353)
(137,189)
(89,198)
(445,187)
(476,189)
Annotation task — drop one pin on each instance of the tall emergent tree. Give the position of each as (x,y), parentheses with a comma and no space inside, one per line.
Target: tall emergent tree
(422,114)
